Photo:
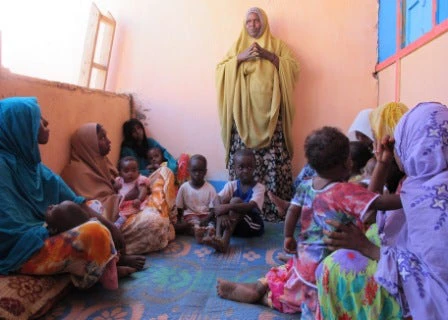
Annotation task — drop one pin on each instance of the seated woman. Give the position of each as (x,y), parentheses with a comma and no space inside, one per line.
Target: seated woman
(27,189)
(354,262)
(137,145)
(91,174)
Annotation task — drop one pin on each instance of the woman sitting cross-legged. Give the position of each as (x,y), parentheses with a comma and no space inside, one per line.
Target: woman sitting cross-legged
(27,190)
(91,174)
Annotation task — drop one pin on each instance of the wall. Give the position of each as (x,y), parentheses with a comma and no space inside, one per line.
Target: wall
(165,53)
(67,107)
(421,75)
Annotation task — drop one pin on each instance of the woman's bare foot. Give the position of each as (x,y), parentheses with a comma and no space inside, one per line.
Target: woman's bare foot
(241,292)
(132,261)
(280,204)
(123,271)
(216,243)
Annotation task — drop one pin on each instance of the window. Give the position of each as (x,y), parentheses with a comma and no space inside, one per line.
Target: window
(97,49)
(405,25)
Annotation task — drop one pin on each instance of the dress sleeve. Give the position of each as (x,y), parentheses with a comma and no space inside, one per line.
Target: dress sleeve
(172,162)
(348,198)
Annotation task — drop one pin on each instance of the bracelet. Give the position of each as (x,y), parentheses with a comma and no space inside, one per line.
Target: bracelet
(381,161)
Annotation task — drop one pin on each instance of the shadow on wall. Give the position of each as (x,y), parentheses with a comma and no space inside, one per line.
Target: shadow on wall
(140,109)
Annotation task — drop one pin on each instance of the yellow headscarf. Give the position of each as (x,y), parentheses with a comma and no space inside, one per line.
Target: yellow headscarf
(384,119)
(253,94)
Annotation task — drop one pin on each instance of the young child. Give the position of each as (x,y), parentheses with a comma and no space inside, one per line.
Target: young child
(132,186)
(360,154)
(195,199)
(155,159)
(291,288)
(64,216)
(238,206)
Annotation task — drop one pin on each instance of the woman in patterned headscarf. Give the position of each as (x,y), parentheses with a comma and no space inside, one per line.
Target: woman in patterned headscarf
(413,269)
(255,82)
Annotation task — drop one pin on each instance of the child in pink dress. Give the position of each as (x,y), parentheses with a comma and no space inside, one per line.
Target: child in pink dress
(291,288)
(132,186)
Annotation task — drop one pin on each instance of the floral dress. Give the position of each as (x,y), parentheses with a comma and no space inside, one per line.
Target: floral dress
(292,287)
(273,168)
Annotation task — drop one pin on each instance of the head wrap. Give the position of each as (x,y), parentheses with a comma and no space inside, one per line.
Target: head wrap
(361,124)
(255,112)
(384,119)
(422,147)
(89,173)
(27,187)
(260,15)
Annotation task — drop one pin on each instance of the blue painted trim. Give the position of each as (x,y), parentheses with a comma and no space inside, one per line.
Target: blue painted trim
(217,184)
(442,10)
(387,29)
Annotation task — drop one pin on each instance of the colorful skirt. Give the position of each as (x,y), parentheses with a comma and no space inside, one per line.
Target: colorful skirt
(288,294)
(84,252)
(273,168)
(347,288)
(152,228)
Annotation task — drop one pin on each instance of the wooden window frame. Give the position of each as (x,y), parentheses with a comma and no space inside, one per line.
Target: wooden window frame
(91,48)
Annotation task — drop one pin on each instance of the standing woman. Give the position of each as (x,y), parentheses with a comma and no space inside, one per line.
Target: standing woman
(255,83)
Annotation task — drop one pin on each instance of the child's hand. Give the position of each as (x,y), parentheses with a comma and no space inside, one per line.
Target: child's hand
(290,245)
(117,185)
(221,210)
(136,203)
(385,150)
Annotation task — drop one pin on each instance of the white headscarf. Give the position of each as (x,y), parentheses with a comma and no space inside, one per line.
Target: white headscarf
(361,124)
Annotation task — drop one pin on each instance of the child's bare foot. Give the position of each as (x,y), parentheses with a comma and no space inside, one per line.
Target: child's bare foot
(241,292)
(123,271)
(199,233)
(216,243)
(132,261)
(280,204)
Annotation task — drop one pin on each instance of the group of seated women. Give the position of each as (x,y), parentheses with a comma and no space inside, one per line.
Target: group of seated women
(93,251)
(395,269)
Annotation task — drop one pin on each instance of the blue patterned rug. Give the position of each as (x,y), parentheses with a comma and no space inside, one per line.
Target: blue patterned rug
(180,283)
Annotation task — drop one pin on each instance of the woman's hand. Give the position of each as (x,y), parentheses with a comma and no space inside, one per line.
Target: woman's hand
(256,51)
(290,245)
(349,236)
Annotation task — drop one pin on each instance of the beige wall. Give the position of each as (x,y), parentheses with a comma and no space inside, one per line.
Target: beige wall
(67,107)
(165,53)
(422,75)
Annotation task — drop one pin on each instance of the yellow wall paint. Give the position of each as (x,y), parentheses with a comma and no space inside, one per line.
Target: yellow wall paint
(67,107)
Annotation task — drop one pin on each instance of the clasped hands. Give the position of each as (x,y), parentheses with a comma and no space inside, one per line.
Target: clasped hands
(255,51)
